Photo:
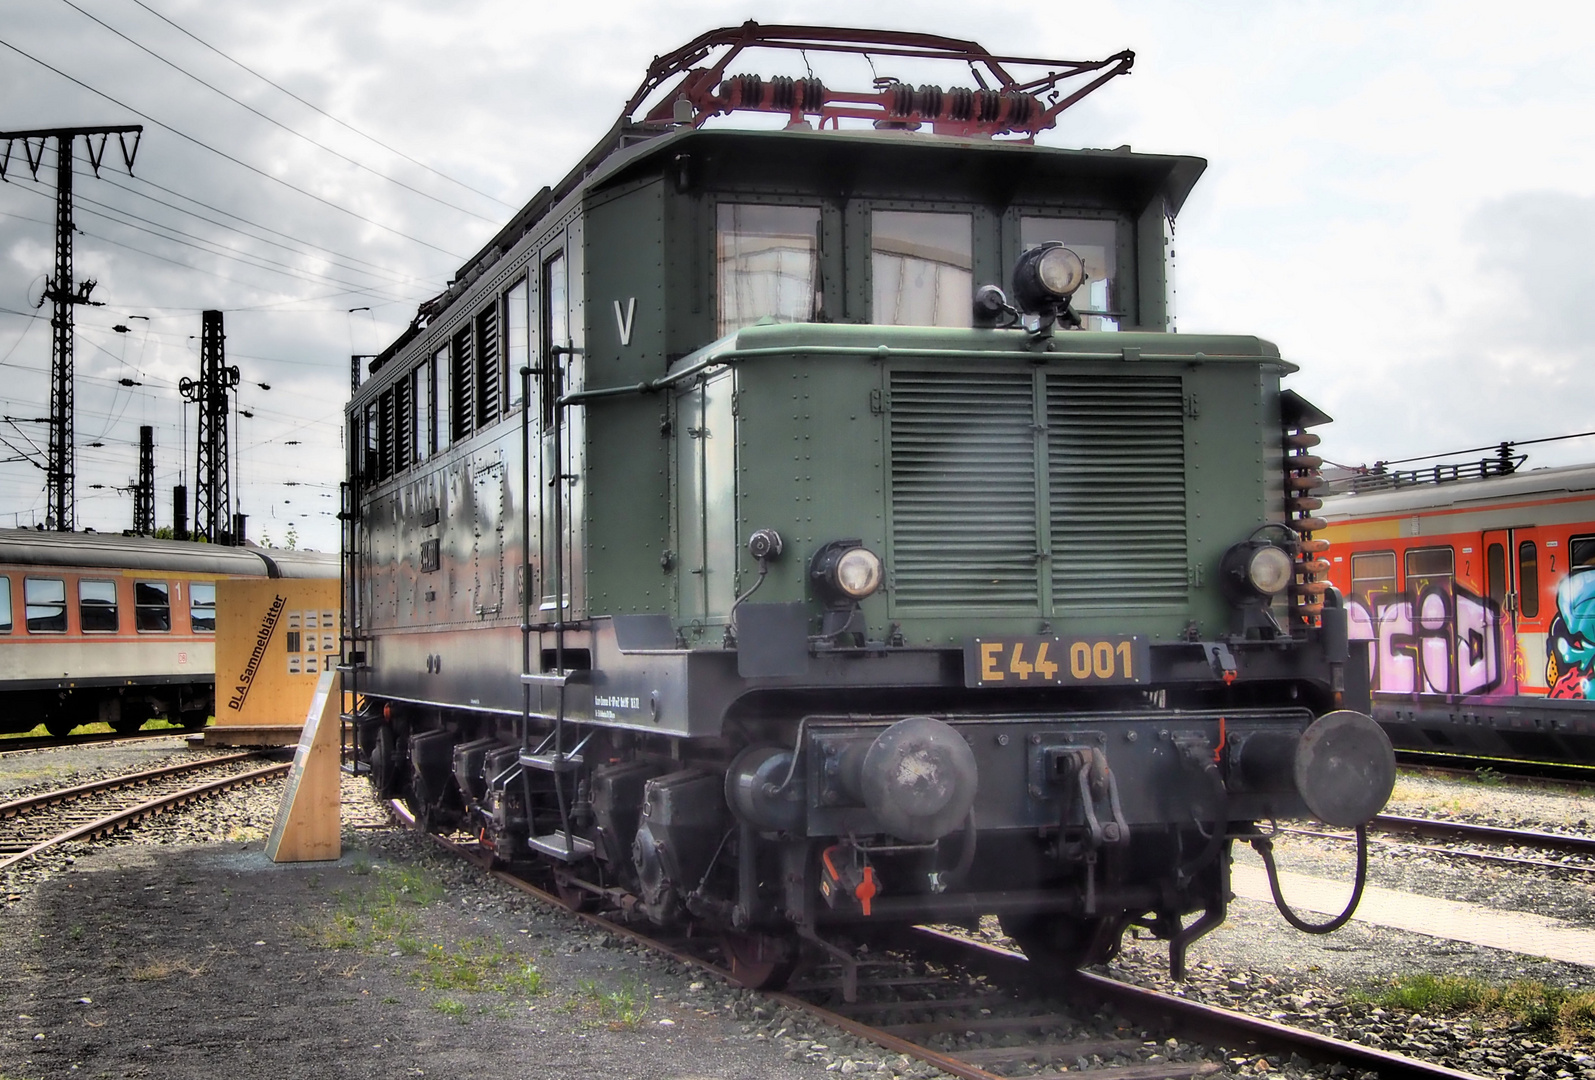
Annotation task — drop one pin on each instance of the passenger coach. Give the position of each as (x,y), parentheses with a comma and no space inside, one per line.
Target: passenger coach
(98,627)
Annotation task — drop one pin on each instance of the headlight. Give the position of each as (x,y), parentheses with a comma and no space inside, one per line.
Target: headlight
(1046,276)
(1060,271)
(858,572)
(844,572)
(1255,571)
(1269,569)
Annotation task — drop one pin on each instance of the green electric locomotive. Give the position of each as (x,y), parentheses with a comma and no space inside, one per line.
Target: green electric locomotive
(807,531)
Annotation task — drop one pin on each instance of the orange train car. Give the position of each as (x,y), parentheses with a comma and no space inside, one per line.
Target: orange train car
(120,629)
(1475,601)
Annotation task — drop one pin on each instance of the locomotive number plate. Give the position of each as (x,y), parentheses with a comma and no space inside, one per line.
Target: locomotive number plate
(1056,661)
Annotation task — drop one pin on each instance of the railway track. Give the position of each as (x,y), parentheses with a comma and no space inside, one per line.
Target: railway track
(1511,770)
(1485,836)
(39,822)
(980,1012)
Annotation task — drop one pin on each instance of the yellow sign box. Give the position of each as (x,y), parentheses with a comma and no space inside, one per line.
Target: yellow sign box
(274,639)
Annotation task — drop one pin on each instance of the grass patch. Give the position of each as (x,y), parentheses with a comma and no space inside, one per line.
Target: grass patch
(1569,1014)
(383,915)
(96,728)
(477,965)
(618,1008)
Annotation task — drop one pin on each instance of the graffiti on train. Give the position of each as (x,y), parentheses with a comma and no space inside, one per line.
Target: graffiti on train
(1570,656)
(1441,640)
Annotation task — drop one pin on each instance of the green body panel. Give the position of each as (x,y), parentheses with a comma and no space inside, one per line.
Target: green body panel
(813,423)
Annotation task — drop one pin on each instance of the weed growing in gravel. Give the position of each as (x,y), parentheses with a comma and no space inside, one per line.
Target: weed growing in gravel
(1488,777)
(377,915)
(621,1009)
(1570,1014)
(450,1007)
(476,965)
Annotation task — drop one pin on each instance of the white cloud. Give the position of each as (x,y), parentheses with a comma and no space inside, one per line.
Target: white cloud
(1399,195)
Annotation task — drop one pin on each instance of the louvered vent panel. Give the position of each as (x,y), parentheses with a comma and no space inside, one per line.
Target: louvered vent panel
(1116,472)
(963,490)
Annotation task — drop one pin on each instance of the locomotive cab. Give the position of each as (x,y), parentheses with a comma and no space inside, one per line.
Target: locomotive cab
(726,539)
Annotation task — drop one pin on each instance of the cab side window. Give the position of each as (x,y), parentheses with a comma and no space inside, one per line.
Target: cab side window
(152,608)
(46,602)
(97,607)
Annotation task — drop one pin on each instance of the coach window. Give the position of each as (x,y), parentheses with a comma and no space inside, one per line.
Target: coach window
(1495,574)
(766,260)
(1097,243)
(442,400)
(152,609)
(5,605)
(923,266)
(1373,573)
(202,607)
(1580,552)
(46,602)
(517,347)
(1528,579)
(97,607)
(1434,566)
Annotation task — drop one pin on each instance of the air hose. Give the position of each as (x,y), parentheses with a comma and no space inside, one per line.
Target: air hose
(1264,846)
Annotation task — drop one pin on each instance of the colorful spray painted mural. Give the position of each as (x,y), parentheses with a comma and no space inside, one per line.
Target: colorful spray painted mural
(1480,589)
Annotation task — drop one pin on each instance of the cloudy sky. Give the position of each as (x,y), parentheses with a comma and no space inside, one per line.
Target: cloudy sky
(1401,196)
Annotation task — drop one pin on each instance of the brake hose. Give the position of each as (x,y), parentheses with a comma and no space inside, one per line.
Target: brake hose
(1264,846)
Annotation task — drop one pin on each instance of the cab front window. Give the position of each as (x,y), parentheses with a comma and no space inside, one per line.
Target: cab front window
(1096,242)
(766,259)
(923,265)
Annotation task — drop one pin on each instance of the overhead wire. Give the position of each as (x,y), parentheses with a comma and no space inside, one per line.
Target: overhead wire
(272,120)
(311,105)
(226,156)
(105,211)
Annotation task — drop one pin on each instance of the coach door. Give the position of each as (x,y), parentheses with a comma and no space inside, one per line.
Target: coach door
(1512,587)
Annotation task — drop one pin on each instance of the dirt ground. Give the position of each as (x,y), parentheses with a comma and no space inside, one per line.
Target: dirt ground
(207,960)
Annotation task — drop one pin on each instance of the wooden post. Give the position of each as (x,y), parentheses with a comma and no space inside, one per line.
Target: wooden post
(308,828)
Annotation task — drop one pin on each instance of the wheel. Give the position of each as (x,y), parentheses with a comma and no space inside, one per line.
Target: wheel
(60,726)
(1060,941)
(134,715)
(759,961)
(385,764)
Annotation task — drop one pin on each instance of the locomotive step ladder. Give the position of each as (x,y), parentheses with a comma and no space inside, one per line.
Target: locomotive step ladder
(560,844)
(355,650)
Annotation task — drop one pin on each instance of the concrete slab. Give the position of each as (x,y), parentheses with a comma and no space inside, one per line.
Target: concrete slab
(1514,931)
